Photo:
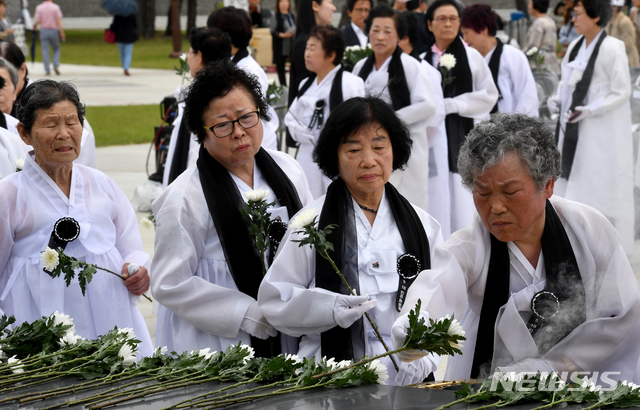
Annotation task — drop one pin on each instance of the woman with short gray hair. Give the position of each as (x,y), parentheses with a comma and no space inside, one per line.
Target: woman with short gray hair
(538,281)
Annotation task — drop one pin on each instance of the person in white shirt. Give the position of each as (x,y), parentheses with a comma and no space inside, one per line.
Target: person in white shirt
(399,80)
(319,94)
(354,32)
(469,95)
(237,23)
(541,283)
(206,270)
(377,229)
(509,66)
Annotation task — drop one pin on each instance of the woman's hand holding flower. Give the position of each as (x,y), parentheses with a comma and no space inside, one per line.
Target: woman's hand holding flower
(348,309)
(136,280)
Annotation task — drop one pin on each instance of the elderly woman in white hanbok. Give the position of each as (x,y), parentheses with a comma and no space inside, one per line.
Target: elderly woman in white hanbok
(377,230)
(541,283)
(237,23)
(509,66)
(594,127)
(319,94)
(399,80)
(469,95)
(51,187)
(206,270)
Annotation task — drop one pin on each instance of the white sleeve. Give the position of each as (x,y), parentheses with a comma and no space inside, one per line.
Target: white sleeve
(423,106)
(617,68)
(525,91)
(180,241)
(478,103)
(292,120)
(288,296)
(352,86)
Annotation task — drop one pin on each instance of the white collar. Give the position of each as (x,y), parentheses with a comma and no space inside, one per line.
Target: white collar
(329,77)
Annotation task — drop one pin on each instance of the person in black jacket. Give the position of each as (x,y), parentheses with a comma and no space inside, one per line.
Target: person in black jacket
(354,33)
(125,29)
(282,31)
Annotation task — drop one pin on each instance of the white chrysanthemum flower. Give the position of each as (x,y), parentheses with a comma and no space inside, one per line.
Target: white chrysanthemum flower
(251,353)
(257,194)
(205,353)
(69,339)
(380,370)
(303,219)
(183,56)
(128,355)
(331,363)
(293,357)
(128,331)
(17,367)
(61,318)
(146,223)
(162,350)
(532,51)
(343,363)
(448,61)
(19,164)
(50,259)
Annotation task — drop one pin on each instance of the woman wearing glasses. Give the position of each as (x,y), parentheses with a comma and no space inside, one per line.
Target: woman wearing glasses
(319,94)
(207,271)
(400,81)
(469,96)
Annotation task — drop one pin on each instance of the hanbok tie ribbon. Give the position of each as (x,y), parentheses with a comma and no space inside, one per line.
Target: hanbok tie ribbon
(64,231)
(317,119)
(408,270)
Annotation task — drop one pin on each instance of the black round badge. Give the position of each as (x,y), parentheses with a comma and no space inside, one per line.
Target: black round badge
(408,266)
(545,304)
(278,229)
(66,229)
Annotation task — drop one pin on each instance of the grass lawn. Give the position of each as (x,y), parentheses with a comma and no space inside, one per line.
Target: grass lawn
(88,47)
(121,125)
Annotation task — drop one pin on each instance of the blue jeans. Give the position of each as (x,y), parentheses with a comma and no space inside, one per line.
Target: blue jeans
(50,36)
(126,51)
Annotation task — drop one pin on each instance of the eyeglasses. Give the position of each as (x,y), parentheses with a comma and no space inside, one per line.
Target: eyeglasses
(362,11)
(224,129)
(575,15)
(443,19)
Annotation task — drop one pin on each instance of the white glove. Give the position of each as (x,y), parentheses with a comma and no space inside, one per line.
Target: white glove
(450,106)
(256,324)
(414,372)
(585,112)
(348,309)
(132,268)
(553,105)
(304,136)
(398,336)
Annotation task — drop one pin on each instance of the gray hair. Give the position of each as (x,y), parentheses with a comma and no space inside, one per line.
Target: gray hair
(530,138)
(13,73)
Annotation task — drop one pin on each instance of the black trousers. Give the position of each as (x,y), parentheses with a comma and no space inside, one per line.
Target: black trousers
(280,61)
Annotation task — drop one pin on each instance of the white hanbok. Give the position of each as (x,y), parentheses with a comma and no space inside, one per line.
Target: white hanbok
(30,204)
(439,191)
(87,155)
(515,80)
(293,304)
(11,149)
(602,171)
(299,117)
(270,139)
(413,182)
(607,341)
(12,123)
(194,147)
(200,304)
(477,105)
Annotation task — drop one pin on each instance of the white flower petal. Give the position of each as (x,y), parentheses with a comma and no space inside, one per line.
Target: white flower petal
(19,164)
(448,61)
(127,354)
(303,219)
(257,194)
(50,259)
(380,371)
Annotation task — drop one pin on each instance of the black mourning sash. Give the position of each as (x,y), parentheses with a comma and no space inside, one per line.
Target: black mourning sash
(579,94)
(346,344)
(181,153)
(224,202)
(398,87)
(335,95)
(242,53)
(563,280)
(3,122)
(494,66)
(457,127)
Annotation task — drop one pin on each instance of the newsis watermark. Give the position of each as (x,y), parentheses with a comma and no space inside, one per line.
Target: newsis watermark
(580,381)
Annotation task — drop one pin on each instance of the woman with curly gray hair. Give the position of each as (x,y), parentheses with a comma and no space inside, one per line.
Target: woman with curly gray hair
(546,280)
(594,124)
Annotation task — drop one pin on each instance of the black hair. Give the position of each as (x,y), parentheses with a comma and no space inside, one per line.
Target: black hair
(306,17)
(382,11)
(428,16)
(352,3)
(332,41)
(216,81)
(560,4)
(43,94)
(410,21)
(213,43)
(413,4)
(597,8)
(540,5)
(235,22)
(352,116)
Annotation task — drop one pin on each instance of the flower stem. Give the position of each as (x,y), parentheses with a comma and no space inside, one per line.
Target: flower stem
(499,403)
(553,403)
(359,363)
(598,405)
(374,326)
(285,390)
(123,279)
(226,396)
(462,400)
